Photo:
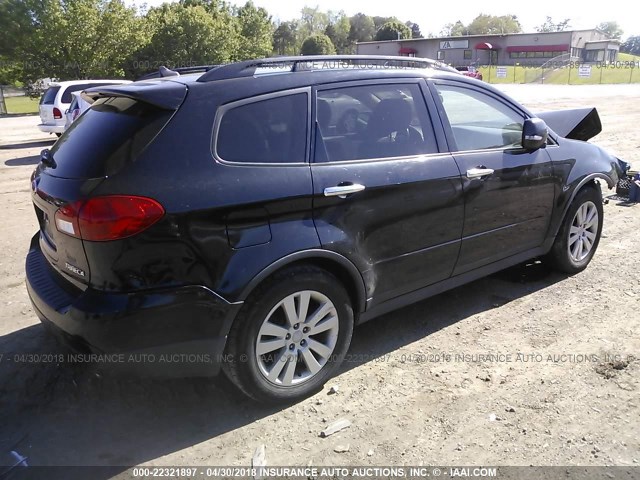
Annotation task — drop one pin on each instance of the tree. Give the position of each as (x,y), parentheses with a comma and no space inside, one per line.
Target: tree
(453,29)
(415,29)
(338,31)
(256,32)
(285,38)
(68,39)
(380,21)
(611,29)
(631,45)
(318,44)
(490,24)
(362,28)
(393,31)
(550,26)
(312,21)
(187,36)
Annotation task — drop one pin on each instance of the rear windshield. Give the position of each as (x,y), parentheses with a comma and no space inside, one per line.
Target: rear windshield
(113,132)
(66,95)
(49,96)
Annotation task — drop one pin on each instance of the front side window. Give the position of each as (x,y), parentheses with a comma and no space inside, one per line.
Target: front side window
(479,121)
(273,130)
(372,121)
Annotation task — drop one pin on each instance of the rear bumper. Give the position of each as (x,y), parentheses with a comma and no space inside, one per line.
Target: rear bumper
(169,332)
(51,128)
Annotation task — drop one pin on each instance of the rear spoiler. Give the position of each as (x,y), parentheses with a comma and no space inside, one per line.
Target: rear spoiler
(577,123)
(165,72)
(162,94)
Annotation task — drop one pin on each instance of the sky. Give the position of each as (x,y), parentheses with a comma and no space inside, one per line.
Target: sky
(432,16)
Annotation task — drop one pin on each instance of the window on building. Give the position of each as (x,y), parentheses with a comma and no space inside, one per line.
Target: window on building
(468,55)
(440,55)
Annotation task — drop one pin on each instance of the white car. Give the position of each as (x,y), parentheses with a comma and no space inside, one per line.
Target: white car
(57,99)
(77,108)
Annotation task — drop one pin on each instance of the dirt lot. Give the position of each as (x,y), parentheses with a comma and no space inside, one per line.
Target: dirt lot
(415,387)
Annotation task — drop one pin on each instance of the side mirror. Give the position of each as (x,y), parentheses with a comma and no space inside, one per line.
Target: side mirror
(534,134)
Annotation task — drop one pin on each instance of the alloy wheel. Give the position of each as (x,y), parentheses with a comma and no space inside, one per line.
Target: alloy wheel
(297,338)
(583,231)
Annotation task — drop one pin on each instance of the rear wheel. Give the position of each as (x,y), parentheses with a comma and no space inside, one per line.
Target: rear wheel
(290,336)
(579,235)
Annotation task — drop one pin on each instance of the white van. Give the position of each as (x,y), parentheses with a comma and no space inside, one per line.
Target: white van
(56,100)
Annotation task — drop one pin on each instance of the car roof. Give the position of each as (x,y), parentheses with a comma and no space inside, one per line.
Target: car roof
(240,82)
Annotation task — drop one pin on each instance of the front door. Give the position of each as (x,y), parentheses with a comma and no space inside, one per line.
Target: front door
(508,191)
(384,196)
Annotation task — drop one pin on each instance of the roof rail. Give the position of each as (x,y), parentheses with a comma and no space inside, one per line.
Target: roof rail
(180,70)
(307,63)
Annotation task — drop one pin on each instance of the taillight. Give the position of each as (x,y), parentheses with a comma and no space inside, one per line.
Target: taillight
(57,113)
(111,217)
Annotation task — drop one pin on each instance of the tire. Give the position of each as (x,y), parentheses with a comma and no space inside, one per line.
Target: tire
(579,236)
(270,332)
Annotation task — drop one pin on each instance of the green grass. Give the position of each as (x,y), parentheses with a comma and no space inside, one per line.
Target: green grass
(21,105)
(515,74)
(628,57)
(563,76)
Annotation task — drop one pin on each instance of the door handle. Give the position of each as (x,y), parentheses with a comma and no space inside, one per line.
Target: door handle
(479,172)
(343,190)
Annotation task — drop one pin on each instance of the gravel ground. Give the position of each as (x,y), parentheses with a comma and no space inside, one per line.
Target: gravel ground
(420,387)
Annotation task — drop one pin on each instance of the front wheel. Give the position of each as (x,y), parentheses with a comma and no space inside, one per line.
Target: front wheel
(579,235)
(290,336)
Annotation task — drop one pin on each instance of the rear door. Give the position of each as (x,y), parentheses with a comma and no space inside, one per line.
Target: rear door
(508,191)
(384,196)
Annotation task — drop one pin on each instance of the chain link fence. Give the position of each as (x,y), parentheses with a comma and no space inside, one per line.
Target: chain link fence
(564,72)
(15,100)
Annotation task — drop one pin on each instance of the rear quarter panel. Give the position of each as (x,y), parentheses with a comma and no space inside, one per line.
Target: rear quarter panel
(224,223)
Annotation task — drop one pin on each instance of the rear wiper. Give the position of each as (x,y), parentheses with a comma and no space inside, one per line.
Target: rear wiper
(46,157)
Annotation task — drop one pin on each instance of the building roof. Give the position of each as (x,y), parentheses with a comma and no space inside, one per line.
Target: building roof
(497,35)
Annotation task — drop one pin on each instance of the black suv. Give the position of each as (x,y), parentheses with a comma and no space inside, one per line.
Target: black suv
(247,217)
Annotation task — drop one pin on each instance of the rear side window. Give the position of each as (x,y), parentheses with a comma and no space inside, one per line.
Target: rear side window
(273,130)
(74,103)
(49,96)
(111,133)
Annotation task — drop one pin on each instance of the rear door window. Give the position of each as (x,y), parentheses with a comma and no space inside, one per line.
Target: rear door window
(372,121)
(49,96)
(111,133)
(265,130)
